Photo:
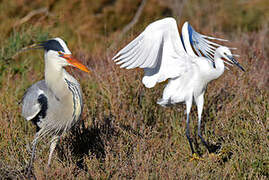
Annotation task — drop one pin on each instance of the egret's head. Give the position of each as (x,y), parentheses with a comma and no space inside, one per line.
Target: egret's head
(57,51)
(226,55)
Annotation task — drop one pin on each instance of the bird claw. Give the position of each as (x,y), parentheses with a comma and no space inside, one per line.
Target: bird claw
(196,157)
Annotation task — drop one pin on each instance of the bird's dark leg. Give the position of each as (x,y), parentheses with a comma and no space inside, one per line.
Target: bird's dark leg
(53,144)
(201,137)
(188,134)
(188,109)
(30,165)
(200,103)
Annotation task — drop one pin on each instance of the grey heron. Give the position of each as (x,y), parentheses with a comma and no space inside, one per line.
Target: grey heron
(164,54)
(54,104)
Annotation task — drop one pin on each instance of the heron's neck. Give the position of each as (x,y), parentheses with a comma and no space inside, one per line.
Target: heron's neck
(54,77)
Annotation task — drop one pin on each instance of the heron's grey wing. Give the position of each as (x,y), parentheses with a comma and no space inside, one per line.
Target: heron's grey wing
(200,43)
(34,101)
(158,50)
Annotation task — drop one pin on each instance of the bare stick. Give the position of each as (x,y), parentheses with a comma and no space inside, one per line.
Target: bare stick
(30,15)
(135,19)
(130,24)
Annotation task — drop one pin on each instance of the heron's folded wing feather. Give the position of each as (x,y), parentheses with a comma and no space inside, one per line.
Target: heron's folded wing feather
(158,50)
(30,105)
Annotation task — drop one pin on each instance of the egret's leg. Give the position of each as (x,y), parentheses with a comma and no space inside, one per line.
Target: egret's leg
(200,103)
(53,144)
(188,134)
(201,137)
(188,109)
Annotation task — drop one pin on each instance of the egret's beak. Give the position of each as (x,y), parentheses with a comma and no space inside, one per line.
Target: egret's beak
(231,58)
(74,62)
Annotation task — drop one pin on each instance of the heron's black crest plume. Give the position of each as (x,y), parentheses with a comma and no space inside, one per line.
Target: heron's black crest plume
(52,45)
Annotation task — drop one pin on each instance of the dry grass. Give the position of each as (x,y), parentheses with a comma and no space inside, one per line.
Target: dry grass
(126,135)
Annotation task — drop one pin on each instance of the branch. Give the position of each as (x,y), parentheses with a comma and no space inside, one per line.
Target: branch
(129,25)
(135,19)
(30,15)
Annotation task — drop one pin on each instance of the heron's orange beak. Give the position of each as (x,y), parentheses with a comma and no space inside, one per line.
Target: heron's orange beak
(70,59)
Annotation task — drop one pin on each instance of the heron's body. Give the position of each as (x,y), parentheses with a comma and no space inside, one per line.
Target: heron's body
(54,104)
(163,55)
(41,100)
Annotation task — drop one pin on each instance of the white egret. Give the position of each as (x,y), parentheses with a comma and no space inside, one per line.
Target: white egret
(54,104)
(163,55)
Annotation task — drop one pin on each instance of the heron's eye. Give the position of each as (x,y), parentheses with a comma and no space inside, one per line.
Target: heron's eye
(60,53)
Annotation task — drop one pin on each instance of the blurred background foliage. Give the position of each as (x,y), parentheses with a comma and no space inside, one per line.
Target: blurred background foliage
(92,24)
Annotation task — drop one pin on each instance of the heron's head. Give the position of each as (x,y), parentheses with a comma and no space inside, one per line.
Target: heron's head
(57,51)
(225,54)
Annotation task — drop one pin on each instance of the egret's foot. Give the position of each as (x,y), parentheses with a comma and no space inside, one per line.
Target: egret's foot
(196,157)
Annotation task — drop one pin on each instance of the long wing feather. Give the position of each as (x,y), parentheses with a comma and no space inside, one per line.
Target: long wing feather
(201,43)
(158,49)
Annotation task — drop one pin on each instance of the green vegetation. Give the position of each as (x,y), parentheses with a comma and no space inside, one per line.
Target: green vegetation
(126,135)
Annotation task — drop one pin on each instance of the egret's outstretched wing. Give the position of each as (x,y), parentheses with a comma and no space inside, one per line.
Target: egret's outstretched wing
(158,50)
(199,42)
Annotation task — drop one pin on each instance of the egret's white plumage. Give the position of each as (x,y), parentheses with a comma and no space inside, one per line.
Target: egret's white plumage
(163,55)
(54,104)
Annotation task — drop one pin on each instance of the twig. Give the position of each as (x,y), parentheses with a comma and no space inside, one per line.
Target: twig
(129,25)
(135,19)
(30,15)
